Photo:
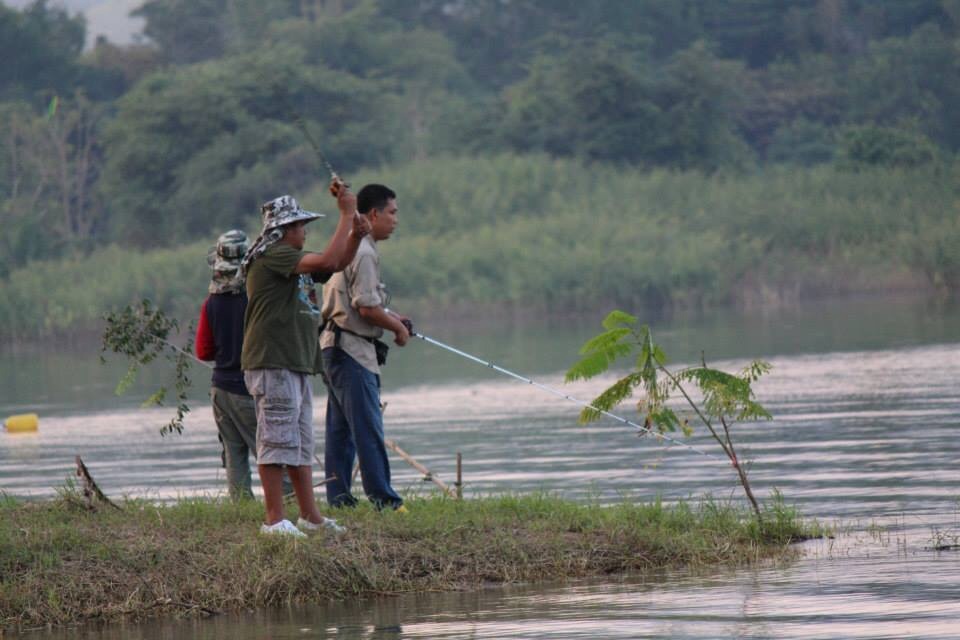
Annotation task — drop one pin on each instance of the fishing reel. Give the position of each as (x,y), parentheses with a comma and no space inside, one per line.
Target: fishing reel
(337,183)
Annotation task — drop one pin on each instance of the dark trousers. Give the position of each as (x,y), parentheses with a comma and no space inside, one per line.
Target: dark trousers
(236,420)
(354,429)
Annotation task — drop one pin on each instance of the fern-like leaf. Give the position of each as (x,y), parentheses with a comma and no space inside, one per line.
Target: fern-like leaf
(610,398)
(156,399)
(617,318)
(664,419)
(128,379)
(596,362)
(599,353)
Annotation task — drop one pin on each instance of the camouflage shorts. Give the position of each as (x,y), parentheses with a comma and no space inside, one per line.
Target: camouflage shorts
(284,405)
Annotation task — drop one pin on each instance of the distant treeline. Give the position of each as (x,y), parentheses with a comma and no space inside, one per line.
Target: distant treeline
(547,234)
(170,141)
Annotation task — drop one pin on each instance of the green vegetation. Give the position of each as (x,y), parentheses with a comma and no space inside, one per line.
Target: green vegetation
(72,294)
(696,153)
(142,333)
(61,563)
(549,233)
(724,398)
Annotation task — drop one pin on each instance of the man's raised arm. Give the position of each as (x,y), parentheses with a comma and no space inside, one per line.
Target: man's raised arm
(343,245)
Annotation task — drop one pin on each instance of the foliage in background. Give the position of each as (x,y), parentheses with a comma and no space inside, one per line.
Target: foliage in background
(724,398)
(559,234)
(142,334)
(861,147)
(41,45)
(49,204)
(562,233)
(71,294)
(157,144)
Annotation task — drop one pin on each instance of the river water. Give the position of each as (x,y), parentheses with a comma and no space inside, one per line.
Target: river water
(866,406)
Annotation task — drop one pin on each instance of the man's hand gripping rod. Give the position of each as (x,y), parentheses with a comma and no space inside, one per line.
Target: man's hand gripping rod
(556,392)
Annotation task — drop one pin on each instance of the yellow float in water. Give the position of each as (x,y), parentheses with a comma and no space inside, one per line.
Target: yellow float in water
(22,423)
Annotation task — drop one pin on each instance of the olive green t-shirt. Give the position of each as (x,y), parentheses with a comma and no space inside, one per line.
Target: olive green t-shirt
(282,318)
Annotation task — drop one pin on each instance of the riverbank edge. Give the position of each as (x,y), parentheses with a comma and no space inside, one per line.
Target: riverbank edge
(64,564)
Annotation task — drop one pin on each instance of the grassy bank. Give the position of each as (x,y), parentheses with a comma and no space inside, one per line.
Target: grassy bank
(60,563)
(549,234)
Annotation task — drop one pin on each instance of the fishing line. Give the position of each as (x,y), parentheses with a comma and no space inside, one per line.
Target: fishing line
(185,352)
(561,394)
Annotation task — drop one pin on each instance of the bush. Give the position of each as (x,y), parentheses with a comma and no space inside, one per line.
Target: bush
(802,142)
(865,146)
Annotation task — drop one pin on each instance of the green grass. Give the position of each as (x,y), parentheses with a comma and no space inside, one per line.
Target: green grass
(61,563)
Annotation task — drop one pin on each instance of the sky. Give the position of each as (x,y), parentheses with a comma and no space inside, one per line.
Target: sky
(110,18)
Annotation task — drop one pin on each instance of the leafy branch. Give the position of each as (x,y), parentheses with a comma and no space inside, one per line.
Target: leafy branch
(725,398)
(142,334)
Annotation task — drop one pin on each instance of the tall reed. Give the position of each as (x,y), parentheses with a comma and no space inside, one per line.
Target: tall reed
(533,230)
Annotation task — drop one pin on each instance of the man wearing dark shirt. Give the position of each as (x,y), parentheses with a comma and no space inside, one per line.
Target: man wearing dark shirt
(220,338)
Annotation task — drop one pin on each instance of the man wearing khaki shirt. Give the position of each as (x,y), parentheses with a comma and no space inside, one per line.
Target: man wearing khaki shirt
(355,315)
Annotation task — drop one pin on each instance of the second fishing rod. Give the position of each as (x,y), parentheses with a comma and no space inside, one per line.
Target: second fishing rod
(560,394)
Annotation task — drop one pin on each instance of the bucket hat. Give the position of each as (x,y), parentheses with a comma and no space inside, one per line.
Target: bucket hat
(229,251)
(283,211)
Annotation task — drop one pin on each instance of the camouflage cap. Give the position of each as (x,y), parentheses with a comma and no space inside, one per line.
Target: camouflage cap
(224,259)
(230,249)
(284,210)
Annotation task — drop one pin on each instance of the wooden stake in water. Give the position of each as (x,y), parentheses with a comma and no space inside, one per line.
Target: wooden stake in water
(391,444)
(459,482)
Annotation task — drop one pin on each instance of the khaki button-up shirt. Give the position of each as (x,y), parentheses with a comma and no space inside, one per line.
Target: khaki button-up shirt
(356,286)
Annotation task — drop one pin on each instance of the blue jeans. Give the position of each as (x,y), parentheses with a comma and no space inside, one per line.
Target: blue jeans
(354,429)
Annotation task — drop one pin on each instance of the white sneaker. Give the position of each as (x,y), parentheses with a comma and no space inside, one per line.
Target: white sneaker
(328,523)
(282,528)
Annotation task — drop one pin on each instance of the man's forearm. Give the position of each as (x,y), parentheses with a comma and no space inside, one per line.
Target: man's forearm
(343,246)
(380,317)
(337,255)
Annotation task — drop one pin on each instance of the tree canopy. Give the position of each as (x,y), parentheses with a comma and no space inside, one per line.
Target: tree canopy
(176,137)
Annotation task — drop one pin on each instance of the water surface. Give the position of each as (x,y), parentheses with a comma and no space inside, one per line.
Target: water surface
(867,407)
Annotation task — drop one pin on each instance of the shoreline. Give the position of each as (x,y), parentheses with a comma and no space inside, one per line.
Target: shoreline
(62,563)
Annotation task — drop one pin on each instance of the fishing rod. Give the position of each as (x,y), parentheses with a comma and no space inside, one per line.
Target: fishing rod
(302,125)
(557,392)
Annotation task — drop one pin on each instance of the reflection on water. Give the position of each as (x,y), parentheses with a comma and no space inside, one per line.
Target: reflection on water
(865,434)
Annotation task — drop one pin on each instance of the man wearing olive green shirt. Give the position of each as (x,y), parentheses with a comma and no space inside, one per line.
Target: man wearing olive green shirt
(280,346)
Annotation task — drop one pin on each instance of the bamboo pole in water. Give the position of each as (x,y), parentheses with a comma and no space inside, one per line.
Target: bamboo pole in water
(419,467)
(459,482)
(427,474)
